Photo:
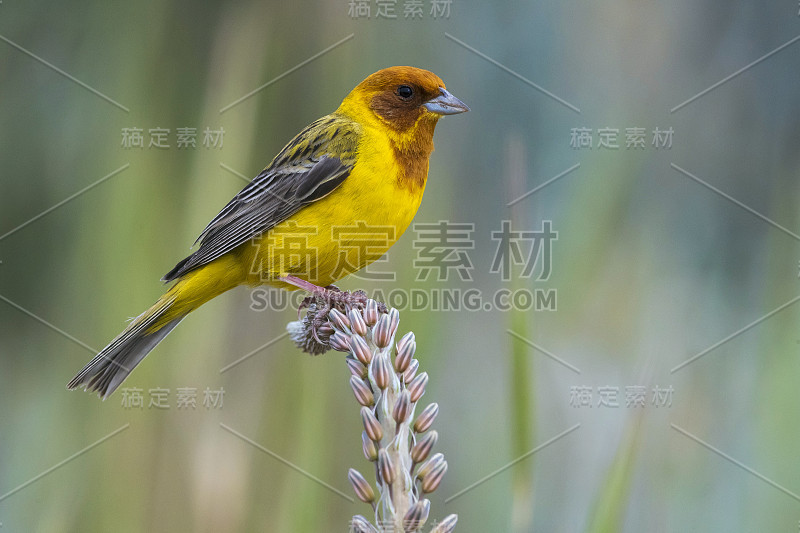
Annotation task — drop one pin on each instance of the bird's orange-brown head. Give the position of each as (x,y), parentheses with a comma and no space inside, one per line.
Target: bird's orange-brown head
(401,96)
(404,103)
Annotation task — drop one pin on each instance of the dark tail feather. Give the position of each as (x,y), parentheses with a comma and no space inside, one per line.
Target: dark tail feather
(177,271)
(112,365)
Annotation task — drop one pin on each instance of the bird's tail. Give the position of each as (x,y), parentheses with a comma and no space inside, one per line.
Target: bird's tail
(112,365)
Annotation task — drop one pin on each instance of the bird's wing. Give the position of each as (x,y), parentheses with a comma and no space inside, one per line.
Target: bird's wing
(310,167)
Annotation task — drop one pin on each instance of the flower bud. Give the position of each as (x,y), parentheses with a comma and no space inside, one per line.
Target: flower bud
(325,330)
(405,352)
(432,480)
(371,424)
(426,417)
(369,447)
(356,367)
(360,349)
(359,524)
(430,465)
(339,342)
(408,337)
(417,386)
(411,371)
(417,515)
(423,447)
(362,489)
(362,391)
(402,407)
(357,323)
(385,466)
(447,525)
(338,320)
(380,333)
(382,371)
(371,312)
(394,321)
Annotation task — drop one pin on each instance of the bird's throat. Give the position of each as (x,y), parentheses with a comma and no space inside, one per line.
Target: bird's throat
(412,150)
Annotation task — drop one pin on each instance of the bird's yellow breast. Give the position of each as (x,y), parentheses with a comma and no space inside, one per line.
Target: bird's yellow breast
(345,231)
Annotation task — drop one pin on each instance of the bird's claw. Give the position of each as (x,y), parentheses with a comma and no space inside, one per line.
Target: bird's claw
(319,304)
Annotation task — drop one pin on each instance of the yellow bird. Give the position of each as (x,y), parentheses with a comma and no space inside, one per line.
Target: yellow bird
(361,169)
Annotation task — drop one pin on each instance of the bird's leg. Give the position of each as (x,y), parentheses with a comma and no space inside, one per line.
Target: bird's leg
(315,290)
(330,295)
(302,284)
(324,299)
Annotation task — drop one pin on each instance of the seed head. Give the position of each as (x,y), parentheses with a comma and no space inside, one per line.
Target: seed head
(362,489)
(423,447)
(417,386)
(417,515)
(371,424)
(362,391)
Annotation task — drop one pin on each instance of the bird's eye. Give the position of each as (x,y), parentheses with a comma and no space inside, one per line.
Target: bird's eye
(405,92)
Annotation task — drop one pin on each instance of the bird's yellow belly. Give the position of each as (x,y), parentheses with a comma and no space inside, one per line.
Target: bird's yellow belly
(340,234)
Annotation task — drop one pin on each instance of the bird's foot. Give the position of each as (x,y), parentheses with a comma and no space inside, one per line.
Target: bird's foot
(327,298)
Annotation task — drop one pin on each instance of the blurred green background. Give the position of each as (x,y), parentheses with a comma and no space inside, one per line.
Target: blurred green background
(651,267)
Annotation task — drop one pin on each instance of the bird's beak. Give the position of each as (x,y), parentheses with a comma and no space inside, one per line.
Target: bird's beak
(445,104)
